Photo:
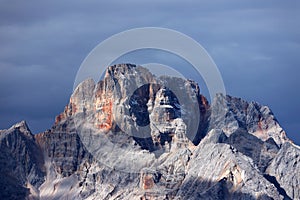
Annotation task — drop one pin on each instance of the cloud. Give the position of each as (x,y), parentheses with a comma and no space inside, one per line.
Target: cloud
(254,43)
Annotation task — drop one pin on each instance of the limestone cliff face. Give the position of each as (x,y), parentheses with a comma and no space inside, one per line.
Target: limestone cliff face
(285,169)
(137,136)
(132,100)
(231,113)
(22,169)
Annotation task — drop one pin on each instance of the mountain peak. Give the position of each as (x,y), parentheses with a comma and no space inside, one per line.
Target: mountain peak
(231,113)
(20,127)
(21,124)
(133,135)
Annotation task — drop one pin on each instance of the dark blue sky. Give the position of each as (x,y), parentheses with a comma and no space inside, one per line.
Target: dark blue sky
(254,43)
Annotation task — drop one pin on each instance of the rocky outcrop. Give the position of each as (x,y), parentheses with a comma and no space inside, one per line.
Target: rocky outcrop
(228,175)
(22,169)
(137,136)
(285,169)
(231,113)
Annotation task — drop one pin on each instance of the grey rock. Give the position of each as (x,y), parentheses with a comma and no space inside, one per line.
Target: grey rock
(221,170)
(285,170)
(230,114)
(137,136)
(21,163)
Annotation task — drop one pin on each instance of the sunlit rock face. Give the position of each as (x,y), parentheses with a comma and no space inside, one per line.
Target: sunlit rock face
(133,135)
(132,100)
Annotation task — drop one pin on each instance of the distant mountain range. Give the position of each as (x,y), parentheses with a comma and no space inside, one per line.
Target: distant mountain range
(137,136)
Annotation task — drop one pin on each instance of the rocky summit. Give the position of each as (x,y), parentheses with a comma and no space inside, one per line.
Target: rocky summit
(133,135)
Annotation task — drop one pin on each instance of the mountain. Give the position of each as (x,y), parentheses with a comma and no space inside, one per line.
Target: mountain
(133,135)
